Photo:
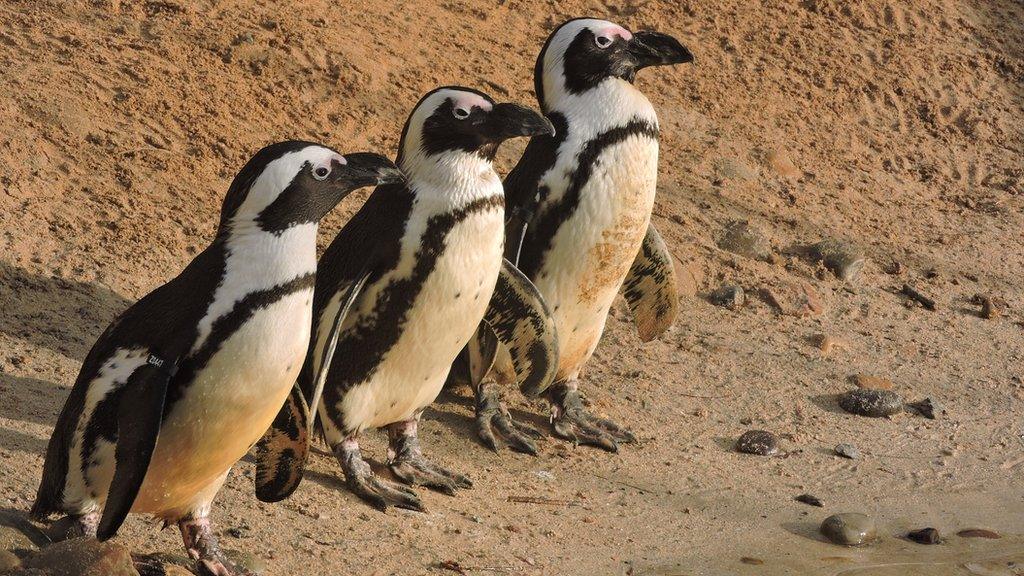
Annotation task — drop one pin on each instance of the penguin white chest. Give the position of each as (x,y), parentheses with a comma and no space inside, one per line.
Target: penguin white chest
(446,312)
(230,404)
(593,250)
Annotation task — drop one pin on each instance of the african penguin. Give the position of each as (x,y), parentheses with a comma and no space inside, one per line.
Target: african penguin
(181,385)
(418,266)
(580,204)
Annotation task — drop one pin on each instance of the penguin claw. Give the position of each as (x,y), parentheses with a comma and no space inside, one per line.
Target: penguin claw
(491,414)
(406,461)
(375,491)
(573,422)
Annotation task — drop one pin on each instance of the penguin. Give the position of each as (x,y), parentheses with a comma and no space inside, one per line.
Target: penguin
(580,205)
(421,265)
(183,383)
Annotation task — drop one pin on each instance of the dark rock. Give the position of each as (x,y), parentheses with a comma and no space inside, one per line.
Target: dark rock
(847,451)
(925,536)
(743,239)
(849,529)
(978,533)
(809,500)
(83,557)
(926,408)
(729,296)
(750,561)
(872,403)
(841,257)
(758,442)
(63,529)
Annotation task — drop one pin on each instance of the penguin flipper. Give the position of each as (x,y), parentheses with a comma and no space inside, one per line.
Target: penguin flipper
(282,451)
(650,287)
(523,324)
(139,414)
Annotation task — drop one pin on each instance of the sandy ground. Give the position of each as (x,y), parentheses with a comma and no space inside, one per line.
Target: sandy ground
(894,125)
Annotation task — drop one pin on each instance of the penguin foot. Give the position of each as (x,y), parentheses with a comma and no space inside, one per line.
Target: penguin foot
(202,547)
(571,421)
(491,413)
(406,460)
(376,491)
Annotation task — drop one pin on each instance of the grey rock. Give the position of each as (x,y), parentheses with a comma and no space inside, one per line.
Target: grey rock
(847,451)
(743,239)
(849,529)
(758,442)
(872,403)
(83,557)
(841,257)
(927,408)
(729,296)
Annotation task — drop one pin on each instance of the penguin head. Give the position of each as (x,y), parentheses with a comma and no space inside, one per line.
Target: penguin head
(584,52)
(453,121)
(295,182)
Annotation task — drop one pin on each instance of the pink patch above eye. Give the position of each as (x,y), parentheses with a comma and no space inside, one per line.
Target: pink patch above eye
(468,101)
(614,31)
(339,159)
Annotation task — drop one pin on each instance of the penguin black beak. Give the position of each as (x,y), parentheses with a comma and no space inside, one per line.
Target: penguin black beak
(657,49)
(509,120)
(368,169)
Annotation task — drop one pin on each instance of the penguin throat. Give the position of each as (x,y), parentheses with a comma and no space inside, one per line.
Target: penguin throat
(456,171)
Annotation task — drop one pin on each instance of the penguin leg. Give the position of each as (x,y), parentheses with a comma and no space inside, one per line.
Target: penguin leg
(491,414)
(364,483)
(405,458)
(75,526)
(202,546)
(571,421)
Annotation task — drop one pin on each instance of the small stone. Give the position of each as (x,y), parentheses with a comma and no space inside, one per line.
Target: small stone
(926,408)
(809,500)
(841,257)
(729,296)
(869,382)
(989,308)
(751,561)
(828,344)
(743,239)
(795,299)
(84,557)
(758,442)
(925,536)
(847,451)
(849,529)
(248,561)
(62,529)
(871,403)
(9,561)
(978,533)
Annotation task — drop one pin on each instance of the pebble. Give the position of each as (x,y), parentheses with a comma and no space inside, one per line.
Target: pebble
(847,451)
(978,533)
(758,442)
(926,408)
(84,557)
(809,500)
(869,382)
(840,257)
(729,296)
(872,403)
(794,299)
(743,239)
(849,529)
(62,529)
(827,343)
(989,308)
(925,536)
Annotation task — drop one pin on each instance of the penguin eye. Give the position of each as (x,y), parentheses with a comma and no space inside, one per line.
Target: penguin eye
(321,172)
(603,41)
(461,113)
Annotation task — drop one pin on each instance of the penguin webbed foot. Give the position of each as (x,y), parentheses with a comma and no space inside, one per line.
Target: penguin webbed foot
(491,414)
(406,461)
(373,490)
(572,421)
(202,546)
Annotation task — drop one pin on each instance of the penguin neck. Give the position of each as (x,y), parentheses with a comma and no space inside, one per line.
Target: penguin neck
(613,102)
(283,254)
(455,177)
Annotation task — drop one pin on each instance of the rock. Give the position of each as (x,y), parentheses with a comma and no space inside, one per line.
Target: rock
(872,403)
(63,529)
(729,296)
(780,161)
(758,442)
(869,382)
(83,557)
(743,239)
(989,308)
(849,529)
(847,451)
(795,299)
(978,533)
(9,561)
(926,408)
(828,344)
(841,257)
(925,536)
(809,500)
